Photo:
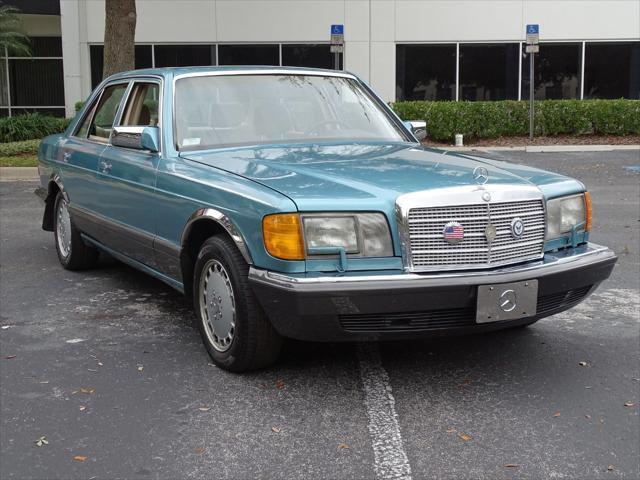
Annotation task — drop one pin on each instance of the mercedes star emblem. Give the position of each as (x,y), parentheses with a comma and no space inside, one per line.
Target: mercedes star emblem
(480,175)
(508,300)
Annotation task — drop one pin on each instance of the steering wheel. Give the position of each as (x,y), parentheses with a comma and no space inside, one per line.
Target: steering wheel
(333,121)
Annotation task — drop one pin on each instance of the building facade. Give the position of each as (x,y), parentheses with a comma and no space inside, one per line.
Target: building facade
(406,49)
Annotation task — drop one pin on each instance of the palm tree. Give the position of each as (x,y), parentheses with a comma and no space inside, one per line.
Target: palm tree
(12,38)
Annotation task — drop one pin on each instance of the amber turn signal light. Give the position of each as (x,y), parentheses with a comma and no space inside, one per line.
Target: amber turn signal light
(282,235)
(587,204)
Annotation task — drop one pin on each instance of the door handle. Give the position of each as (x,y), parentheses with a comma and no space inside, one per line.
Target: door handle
(105,167)
(66,156)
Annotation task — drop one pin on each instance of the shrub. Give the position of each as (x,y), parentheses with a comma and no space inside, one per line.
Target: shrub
(78,105)
(26,147)
(510,118)
(30,126)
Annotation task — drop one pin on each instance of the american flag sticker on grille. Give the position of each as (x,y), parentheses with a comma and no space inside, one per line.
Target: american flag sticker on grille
(453,232)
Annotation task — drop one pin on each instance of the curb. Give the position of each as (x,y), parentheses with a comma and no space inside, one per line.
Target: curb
(13,174)
(544,148)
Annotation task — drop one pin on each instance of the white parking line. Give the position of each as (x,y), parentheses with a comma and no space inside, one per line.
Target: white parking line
(390,459)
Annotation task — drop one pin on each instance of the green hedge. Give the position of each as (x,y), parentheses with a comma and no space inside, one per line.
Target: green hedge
(30,126)
(511,118)
(26,147)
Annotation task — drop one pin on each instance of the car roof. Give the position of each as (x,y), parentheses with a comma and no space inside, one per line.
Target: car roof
(179,71)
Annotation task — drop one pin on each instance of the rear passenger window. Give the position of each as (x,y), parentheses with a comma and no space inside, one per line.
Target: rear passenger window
(142,106)
(102,124)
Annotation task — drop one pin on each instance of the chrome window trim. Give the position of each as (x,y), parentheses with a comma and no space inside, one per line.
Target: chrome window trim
(461,196)
(142,79)
(222,220)
(107,85)
(393,118)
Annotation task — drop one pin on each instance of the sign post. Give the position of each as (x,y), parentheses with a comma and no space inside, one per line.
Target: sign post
(337,44)
(532,47)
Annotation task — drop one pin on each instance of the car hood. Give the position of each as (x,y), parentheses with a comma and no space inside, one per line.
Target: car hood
(345,176)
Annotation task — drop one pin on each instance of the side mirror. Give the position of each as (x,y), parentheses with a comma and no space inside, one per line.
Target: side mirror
(139,138)
(418,128)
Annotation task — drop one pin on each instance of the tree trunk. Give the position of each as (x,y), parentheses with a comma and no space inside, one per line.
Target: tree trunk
(119,36)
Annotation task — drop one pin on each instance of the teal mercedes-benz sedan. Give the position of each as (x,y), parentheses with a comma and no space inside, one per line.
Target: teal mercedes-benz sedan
(294,203)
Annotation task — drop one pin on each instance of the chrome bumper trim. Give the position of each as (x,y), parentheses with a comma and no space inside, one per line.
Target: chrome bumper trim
(568,259)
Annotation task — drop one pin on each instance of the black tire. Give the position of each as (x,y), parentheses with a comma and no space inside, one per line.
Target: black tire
(79,256)
(255,343)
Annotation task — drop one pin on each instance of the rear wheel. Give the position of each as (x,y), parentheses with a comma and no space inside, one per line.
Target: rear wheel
(72,251)
(234,329)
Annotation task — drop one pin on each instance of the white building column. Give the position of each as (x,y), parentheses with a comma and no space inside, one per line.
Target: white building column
(71,55)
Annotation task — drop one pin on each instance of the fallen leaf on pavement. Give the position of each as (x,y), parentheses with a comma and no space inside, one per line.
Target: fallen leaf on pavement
(451,430)
(42,441)
(557,414)
(82,408)
(343,445)
(204,409)
(629,404)
(279,384)
(9,357)
(200,450)
(611,468)
(87,390)
(588,417)
(582,364)
(79,458)
(275,429)
(100,364)
(4,327)
(140,368)
(465,437)
(511,465)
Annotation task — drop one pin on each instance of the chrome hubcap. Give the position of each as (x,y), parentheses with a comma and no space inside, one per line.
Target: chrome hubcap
(63,228)
(217,305)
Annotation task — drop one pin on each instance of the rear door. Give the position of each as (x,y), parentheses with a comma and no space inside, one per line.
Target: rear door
(127,176)
(81,150)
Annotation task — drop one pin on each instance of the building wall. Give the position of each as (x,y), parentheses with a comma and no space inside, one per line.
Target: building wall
(372,27)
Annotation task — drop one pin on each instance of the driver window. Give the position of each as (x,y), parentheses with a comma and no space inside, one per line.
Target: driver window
(142,106)
(102,123)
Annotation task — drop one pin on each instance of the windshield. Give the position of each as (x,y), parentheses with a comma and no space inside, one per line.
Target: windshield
(224,110)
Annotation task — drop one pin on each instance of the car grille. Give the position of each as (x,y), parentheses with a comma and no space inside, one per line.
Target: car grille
(432,320)
(430,251)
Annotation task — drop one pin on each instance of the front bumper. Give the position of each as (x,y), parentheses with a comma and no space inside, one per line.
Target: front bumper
(379,305)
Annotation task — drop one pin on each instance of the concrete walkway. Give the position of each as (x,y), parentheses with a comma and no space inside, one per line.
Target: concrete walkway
(12,174)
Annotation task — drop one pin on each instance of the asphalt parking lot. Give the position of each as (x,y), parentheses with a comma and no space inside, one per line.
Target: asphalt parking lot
(108,367)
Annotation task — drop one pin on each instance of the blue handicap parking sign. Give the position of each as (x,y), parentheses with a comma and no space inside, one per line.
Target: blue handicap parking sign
(337,29)
(533,29)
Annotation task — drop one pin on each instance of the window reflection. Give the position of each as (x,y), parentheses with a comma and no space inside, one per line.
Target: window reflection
(556,72)
(489,72)
(425,72)
(612,70)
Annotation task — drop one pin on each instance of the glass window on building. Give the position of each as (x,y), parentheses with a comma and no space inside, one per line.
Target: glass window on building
(96,54)
(184,55)
(33,83)
(425,72)
(489,72)
(612,70)
(556,73)
(315,56)
(249,55)
(43,47)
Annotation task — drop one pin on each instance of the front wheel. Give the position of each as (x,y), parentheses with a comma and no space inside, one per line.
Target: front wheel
(234,329)
(72,251)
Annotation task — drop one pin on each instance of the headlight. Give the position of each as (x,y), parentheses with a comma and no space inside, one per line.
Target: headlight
(359,234)
(566,213)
